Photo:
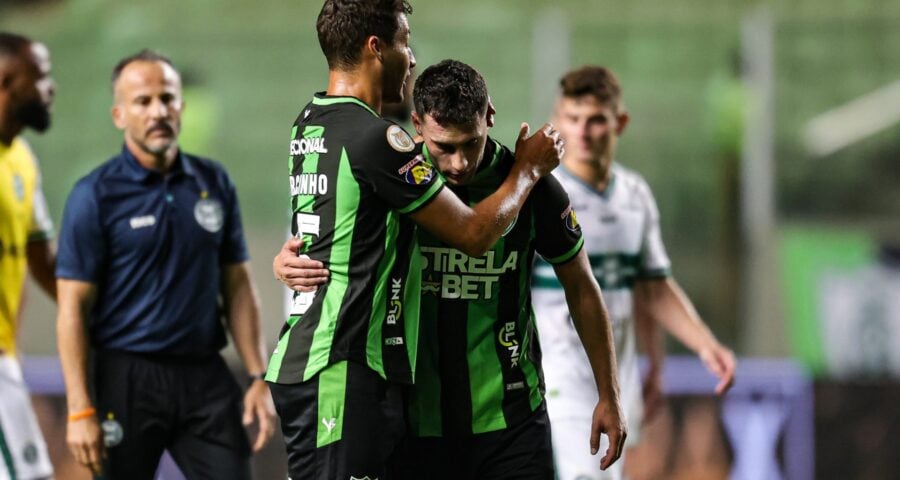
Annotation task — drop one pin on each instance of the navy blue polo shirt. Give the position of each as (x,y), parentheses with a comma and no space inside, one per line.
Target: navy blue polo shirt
(154,245)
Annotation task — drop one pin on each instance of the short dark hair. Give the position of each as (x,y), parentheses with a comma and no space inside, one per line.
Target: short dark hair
(12,44)
(343,26)
(145,55)
(451,92)
(600,82)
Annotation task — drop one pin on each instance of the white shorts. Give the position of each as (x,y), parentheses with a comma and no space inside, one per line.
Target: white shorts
(20,436)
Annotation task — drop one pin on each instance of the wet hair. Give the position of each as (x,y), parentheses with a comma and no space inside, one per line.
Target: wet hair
(451,92)
(599,82)
(344,25)
(145,55)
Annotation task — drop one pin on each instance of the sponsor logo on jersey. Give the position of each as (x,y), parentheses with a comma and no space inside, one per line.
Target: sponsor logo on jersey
(11,250)
(209,214)
(396,306)
(18,187)
(305,146)
(329,423)
(363,478)
(417,171)
(455,275)
(571,221)
(143,221)
(507,339)
(309,184)
(515,386)
(393,341)
(30,453)
(399,139)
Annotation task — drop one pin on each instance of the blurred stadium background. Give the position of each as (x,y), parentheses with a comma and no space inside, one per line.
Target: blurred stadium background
(769,132)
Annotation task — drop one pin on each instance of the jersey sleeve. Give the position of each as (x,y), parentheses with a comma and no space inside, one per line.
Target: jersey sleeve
(395,169)
(558,236)
(41,226)
(82,246)
(654,262)
(234,245)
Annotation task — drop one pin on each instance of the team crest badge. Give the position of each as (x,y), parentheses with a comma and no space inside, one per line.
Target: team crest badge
(209,214)
(18,187)
(399,139)
(417,171)
(112,431)
(571,220)
(30,454)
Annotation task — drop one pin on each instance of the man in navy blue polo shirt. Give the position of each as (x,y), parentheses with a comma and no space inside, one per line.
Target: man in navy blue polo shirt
(150,241)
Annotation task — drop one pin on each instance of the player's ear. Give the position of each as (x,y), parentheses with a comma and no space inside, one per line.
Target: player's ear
(622,122)
(118,116)
(374,46)
(417,122)
(491,111)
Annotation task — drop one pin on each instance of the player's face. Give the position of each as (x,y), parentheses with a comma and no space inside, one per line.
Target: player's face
(398,61)
(33,89)
(590,128)
(457,149)
(148,106)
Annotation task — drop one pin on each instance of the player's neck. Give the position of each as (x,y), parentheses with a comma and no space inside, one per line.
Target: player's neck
(355,84)
(9,131)
(595,173)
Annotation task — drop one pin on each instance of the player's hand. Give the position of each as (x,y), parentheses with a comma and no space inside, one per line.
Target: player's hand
(653,395)
(540,153)
(299,273)
(85,440)
(608,419)
(719,360)
(258,406)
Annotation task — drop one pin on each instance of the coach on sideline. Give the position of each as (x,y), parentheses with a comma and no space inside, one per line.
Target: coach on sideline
(150,241)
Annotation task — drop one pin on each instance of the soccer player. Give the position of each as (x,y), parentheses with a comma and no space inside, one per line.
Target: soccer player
(622,238)
(347,351)
(477,407)
(150,241)
(26,92)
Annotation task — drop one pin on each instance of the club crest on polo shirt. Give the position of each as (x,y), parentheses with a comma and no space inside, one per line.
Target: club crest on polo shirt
(417,171)
(399,139)
(209,214)
(112,431)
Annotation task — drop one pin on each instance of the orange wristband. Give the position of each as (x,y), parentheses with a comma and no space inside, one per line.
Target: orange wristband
(81,415)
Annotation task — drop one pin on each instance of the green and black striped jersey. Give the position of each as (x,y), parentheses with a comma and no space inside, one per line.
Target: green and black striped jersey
(479,356)
(353,177)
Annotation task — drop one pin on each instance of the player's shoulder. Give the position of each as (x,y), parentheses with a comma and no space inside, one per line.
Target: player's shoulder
(630,180)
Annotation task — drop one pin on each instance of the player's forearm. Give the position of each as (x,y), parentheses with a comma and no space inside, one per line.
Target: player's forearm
(591,320)
(244,322)
(492,216)
(73,343)
(41,265)
(669,305)
(649,337)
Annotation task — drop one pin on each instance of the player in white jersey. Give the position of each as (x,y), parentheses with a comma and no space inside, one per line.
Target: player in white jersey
(620,223)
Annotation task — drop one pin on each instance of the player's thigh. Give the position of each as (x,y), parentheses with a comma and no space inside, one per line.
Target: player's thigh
(346,421)
(520,452)
(434,458)
(24,447)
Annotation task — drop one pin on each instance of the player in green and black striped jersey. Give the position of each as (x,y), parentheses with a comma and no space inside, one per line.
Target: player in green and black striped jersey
(357,185)
(477,406)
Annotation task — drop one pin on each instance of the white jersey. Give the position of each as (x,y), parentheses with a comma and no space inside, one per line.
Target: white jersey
(623,242)
(24,453)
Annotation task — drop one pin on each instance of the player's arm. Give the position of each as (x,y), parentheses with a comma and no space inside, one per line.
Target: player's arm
(591,321)
(666,303)
(242,307)
(651,341)
(41,265)
(475,230)
(83,434)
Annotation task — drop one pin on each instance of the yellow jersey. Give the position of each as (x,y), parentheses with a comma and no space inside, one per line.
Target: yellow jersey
(23,219)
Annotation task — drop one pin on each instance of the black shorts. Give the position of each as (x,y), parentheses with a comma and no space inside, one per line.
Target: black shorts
(346,422)
(520,452)
(190,407)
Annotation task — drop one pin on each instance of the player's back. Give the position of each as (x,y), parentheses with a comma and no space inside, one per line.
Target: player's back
(353,177)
